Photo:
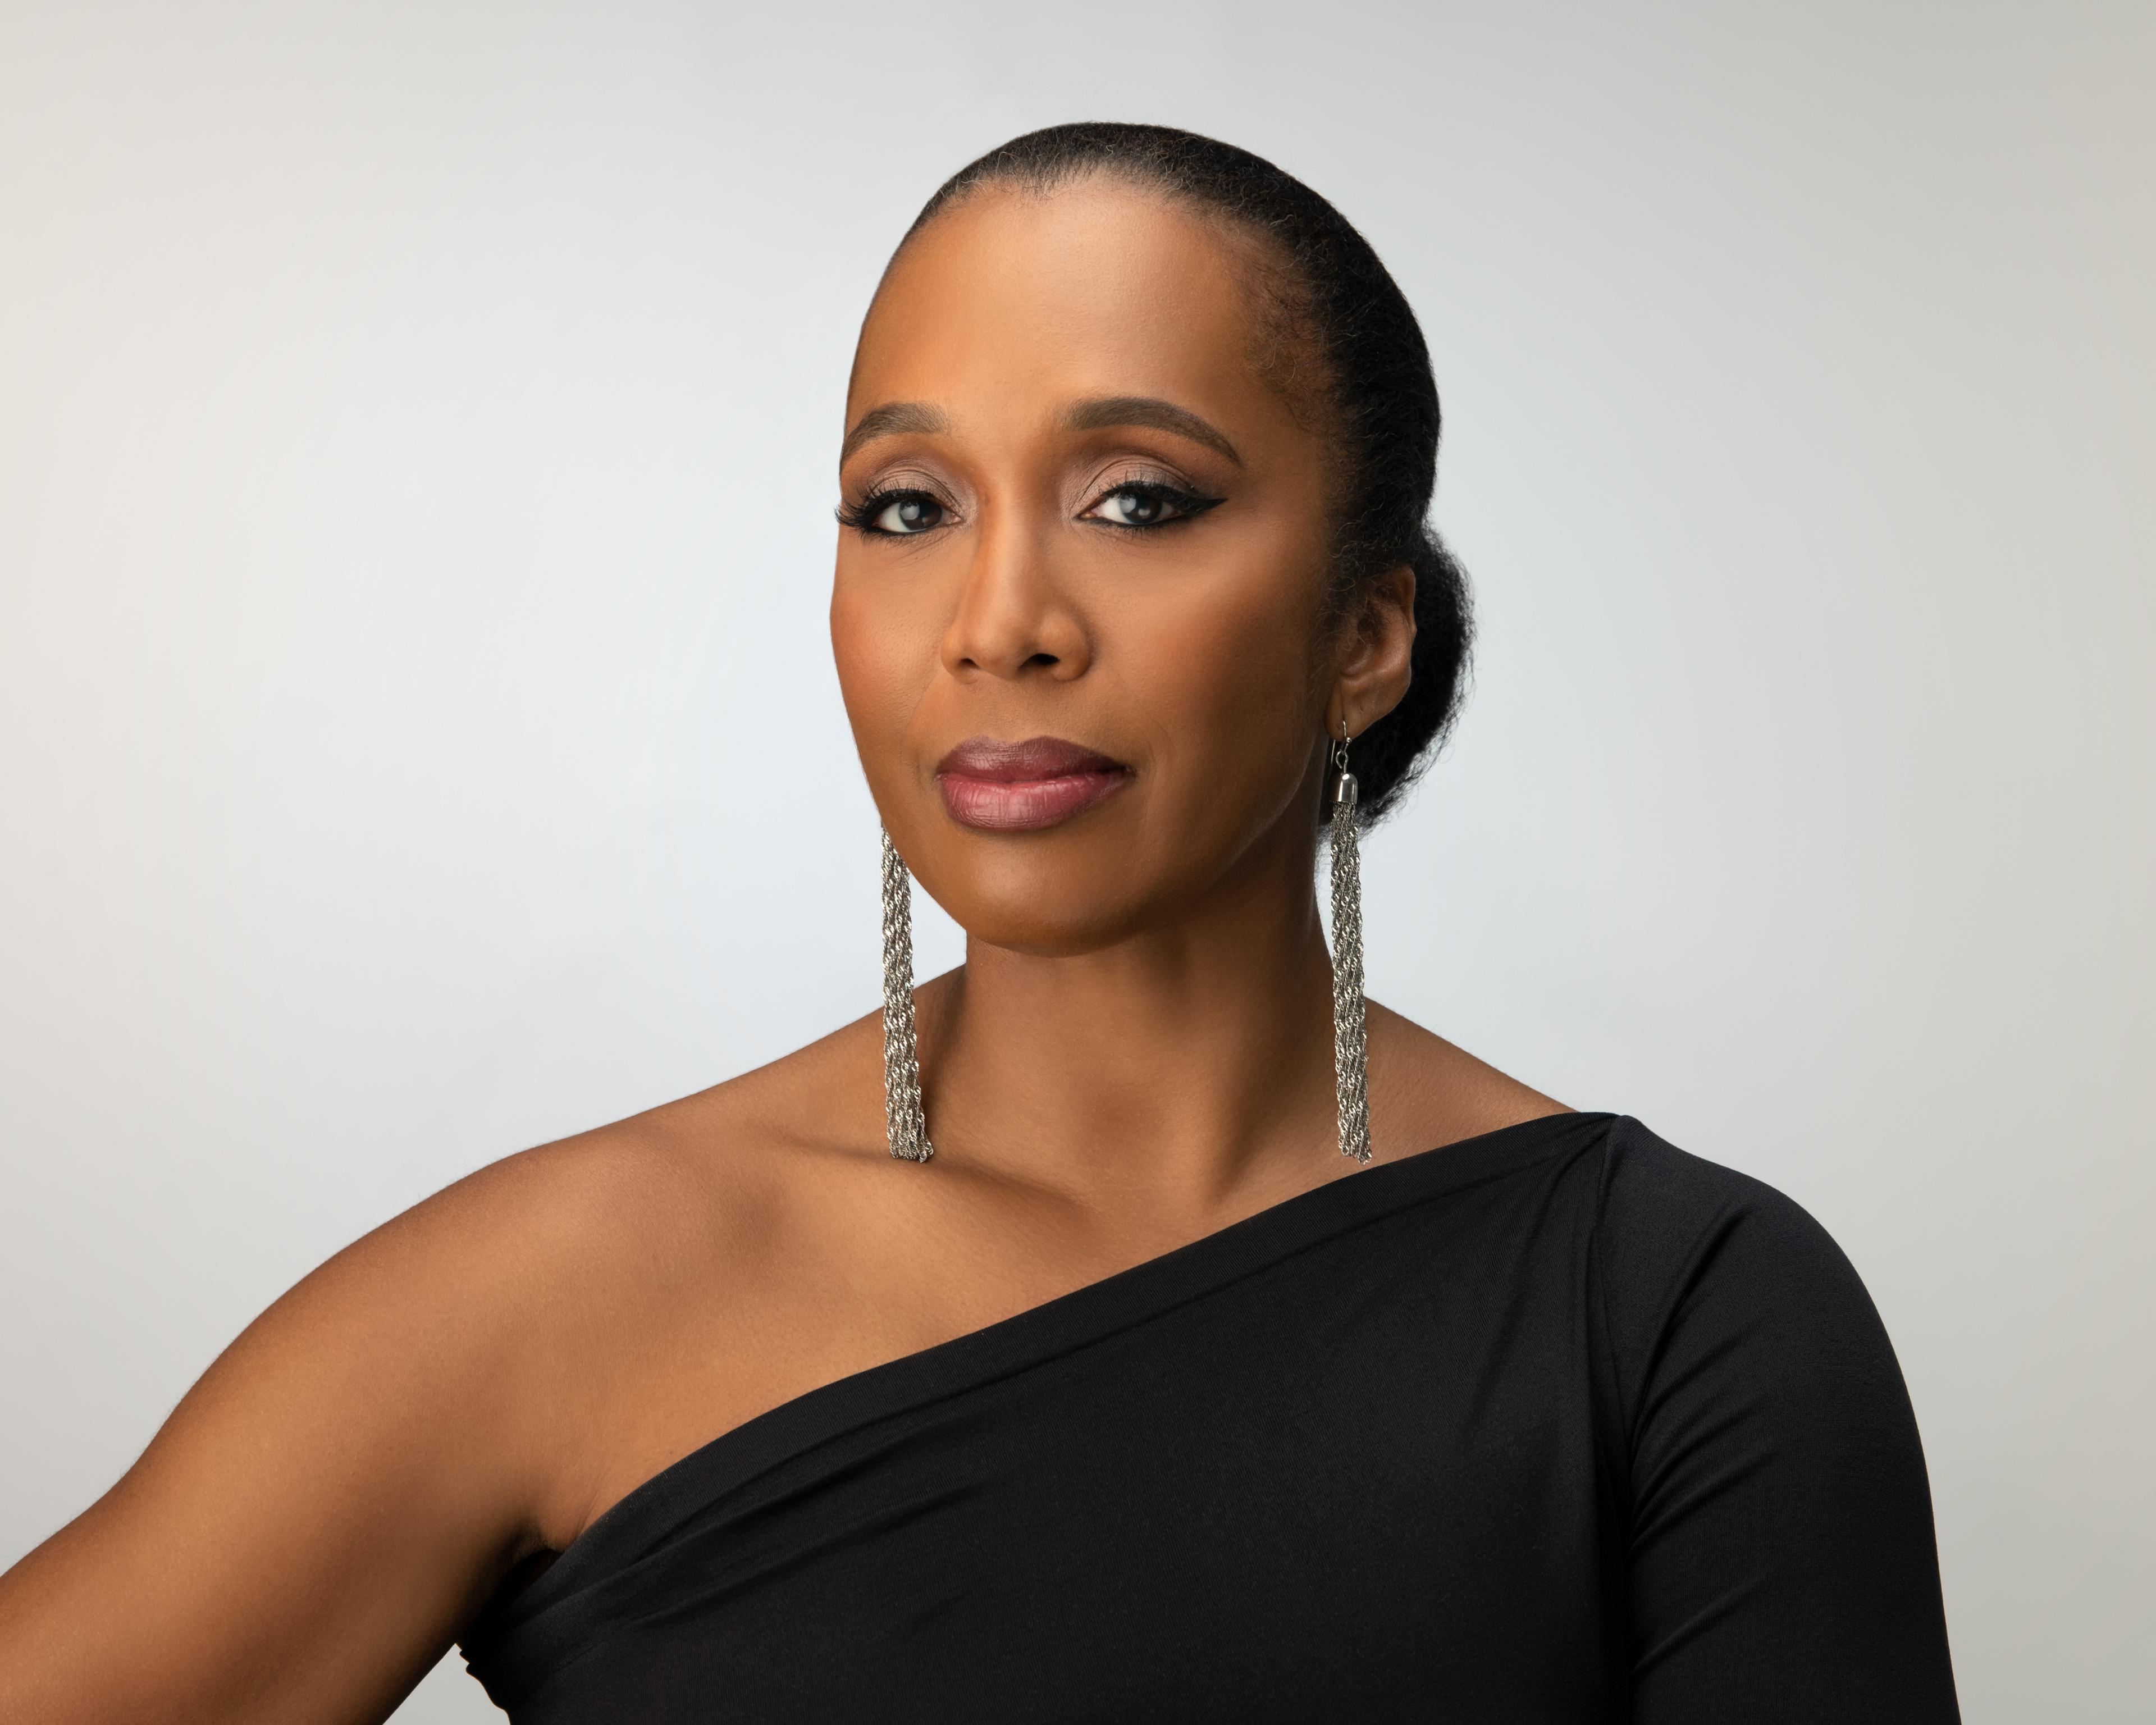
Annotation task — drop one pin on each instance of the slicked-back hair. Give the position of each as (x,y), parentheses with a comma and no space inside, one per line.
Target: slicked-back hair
(1378,410)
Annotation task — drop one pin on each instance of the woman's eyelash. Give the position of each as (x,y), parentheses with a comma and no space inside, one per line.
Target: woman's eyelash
(1187,504)
(862,517)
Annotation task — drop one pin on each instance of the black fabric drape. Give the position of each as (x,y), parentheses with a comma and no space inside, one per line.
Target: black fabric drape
(1559,1423)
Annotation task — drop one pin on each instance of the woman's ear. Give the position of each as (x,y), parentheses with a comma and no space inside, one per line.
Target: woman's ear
(1376,660)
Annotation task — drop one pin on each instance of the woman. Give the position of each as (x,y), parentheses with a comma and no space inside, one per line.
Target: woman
(1104,1386)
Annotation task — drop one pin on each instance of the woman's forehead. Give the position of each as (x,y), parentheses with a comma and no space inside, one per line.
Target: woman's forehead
(1096,288)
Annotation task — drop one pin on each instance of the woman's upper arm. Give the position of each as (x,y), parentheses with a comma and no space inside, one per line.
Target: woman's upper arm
(322,1511)
(1780,1562)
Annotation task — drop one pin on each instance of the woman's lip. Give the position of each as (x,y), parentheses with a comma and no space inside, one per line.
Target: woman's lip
(1022,787)
(1038,757)
(1024,805)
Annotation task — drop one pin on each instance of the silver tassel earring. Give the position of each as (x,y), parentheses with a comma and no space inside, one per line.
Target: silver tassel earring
(1350,1046)
(904,1123)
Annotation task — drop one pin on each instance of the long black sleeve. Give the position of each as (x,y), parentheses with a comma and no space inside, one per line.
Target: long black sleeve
(1778,1550)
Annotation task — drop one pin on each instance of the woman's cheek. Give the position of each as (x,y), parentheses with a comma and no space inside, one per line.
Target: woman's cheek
(1239,665)
(884,659)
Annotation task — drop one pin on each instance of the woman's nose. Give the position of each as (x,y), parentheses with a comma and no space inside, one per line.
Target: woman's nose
(1012,618)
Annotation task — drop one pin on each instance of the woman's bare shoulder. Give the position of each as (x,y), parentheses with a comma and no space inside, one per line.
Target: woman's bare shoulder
(618,1197)
(551,1247)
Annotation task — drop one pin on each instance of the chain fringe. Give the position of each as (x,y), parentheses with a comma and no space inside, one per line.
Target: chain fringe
(1350,1044)
(904,1122)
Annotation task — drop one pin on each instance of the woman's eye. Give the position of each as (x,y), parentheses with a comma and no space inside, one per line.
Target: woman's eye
(1147,506)
(1133,508)
(915,512)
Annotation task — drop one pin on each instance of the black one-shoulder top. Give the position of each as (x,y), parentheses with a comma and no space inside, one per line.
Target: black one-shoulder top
(1559,1423)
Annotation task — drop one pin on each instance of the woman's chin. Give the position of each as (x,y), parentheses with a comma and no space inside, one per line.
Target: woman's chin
(1047,913)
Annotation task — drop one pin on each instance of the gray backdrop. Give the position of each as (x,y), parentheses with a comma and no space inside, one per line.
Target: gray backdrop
(419,739)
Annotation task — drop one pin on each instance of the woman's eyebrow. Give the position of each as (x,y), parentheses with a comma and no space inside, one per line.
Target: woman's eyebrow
(893,418)
(1113,410)
(890,420)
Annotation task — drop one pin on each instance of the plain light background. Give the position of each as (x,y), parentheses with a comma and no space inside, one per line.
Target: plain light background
(417,737)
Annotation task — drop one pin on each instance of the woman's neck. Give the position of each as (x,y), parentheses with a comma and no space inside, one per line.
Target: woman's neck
(1168,1070)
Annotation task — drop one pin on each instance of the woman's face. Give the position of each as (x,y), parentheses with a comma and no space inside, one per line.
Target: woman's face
(1078,611)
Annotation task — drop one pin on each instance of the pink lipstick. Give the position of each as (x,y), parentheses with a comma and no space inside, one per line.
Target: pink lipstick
(1023,787)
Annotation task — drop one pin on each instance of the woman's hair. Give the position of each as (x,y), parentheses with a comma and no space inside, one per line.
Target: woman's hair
(1334,302)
